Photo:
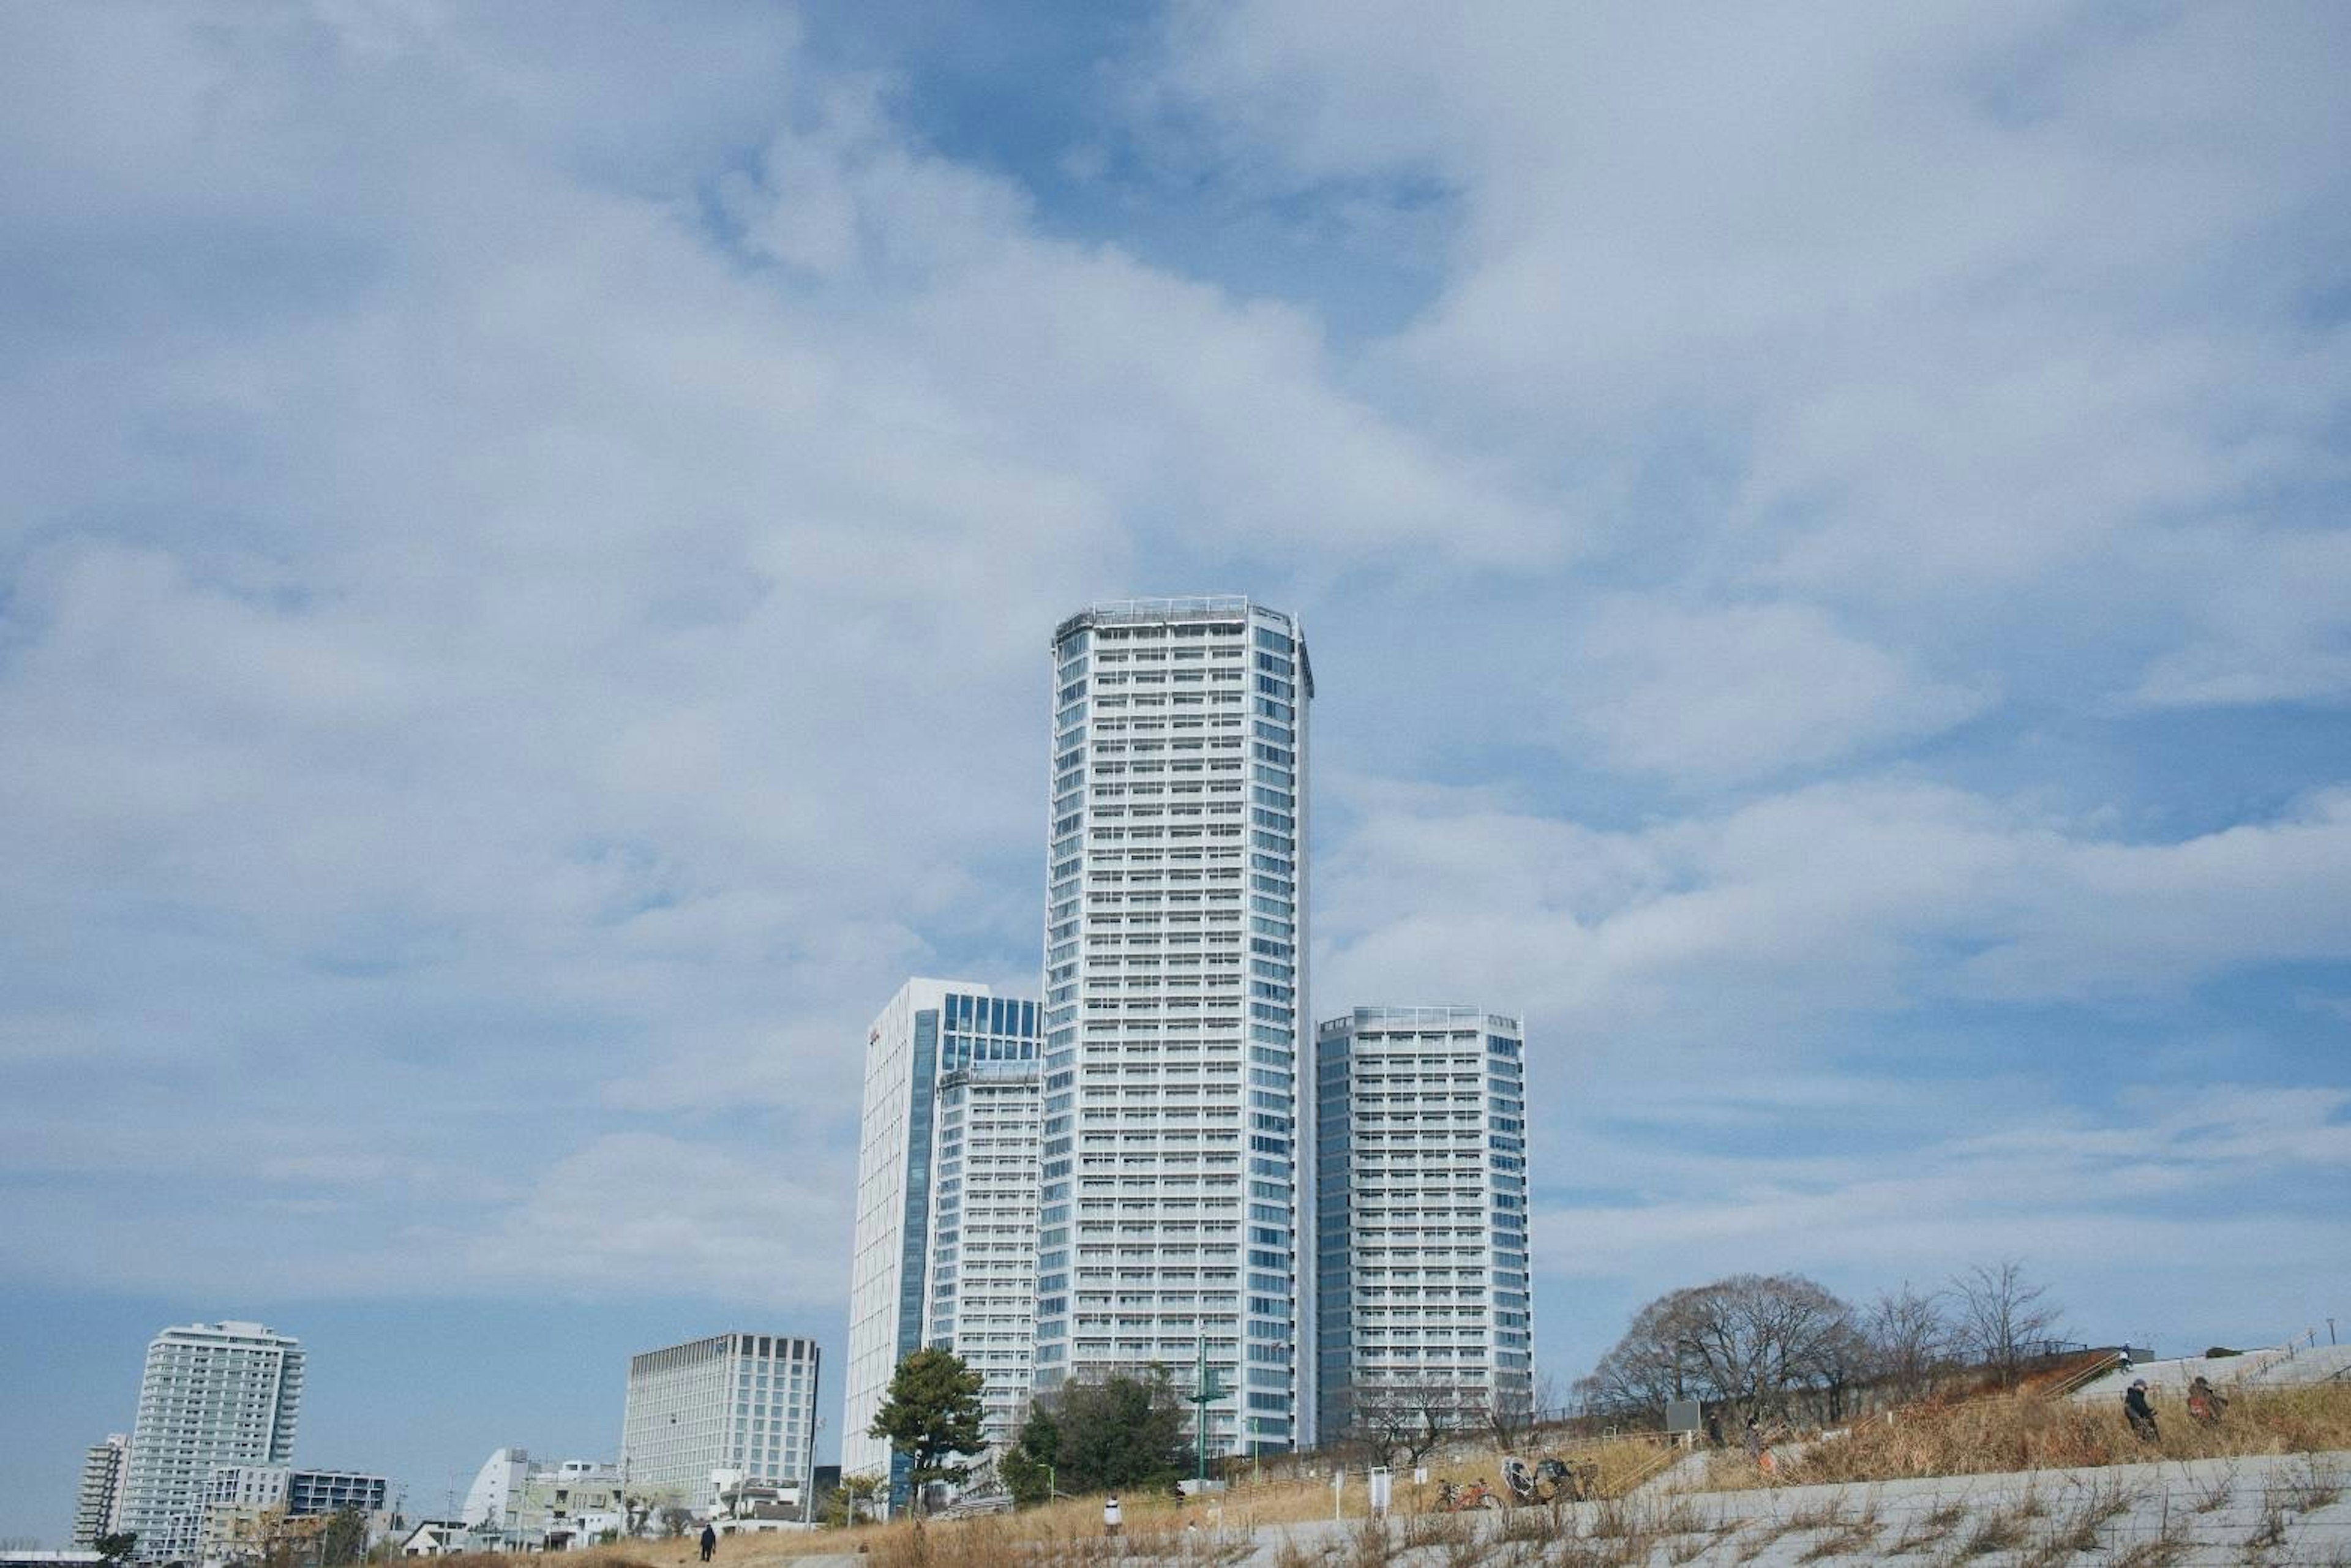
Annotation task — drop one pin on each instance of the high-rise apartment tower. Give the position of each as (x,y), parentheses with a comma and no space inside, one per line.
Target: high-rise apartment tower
(99,1500)
(1424,1308)
(1172,1219)
(945,1252)
(212,1394)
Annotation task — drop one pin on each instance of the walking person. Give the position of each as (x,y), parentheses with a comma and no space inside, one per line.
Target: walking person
(1109,1514)
(2141,1413)
(709,1541)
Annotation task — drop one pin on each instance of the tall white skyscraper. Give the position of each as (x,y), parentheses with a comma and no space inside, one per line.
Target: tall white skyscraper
(1171,1213)
(98,1503)
(979,1292)
(731,1402)
(212,1394)
(945,1252)
(1423,1284)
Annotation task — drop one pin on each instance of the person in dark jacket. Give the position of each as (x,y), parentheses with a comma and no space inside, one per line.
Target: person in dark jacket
(2206,1404)
(2141,1413)
(709,1541)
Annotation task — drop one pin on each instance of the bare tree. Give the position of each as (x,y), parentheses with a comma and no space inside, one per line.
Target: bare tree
(1510,1415)
(1754,1341)
(1409,1415)
(1910,1339)
(2002,1317)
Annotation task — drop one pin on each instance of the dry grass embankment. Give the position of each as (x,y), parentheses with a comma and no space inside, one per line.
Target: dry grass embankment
(2028,1433)
(1068,1533)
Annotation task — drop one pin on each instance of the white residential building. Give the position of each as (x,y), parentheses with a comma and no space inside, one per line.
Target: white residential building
(980,1289)
(515,1505)
(496,1489)
(1172,1214)
(98,1502)
(944,1249)
(299,1492)
(1423,1284)
(212,1394)
(731,1403)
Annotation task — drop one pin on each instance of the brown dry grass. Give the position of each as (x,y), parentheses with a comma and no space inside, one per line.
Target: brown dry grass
(1069,1532)
(2028,1433)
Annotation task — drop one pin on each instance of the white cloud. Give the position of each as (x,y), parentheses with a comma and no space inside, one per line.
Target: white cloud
(1944,320)
(1744,690)
(640,1212)
(1783,913)
(2107,1210)
(530,590)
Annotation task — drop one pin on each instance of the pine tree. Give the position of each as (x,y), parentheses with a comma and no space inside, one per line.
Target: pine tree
(932,1415)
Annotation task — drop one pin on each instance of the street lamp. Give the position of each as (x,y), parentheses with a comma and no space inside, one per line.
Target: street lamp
(1208,1389)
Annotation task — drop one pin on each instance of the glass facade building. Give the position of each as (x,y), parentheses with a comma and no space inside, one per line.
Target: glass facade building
(1422,1282)
(946,1203)
(1171,1214)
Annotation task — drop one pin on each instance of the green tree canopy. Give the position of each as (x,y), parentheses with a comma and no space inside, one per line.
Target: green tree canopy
(851,1502)
(1029,1465)
(932,1413)
(1123,1431)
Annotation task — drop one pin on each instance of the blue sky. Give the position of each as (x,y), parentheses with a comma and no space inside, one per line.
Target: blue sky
(533,530)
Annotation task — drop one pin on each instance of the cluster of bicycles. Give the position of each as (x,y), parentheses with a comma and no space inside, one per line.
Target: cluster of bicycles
(1547,1481)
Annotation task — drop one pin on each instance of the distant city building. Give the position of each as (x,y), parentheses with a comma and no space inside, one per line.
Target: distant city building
(1423,1283)
(252,1511)
(1172,1215)
(99,1500)
(731,1403)
(944,1249)
(496,1487)
(515,1505)
(212,1394)
(434,1538)
(299,1492)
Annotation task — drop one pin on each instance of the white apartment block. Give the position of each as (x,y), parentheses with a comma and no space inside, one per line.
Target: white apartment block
(1172,1214)
(980,1286)
(944,1249)
(212,1394)
(98,1501)
(1423,1282)
(731,1403)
